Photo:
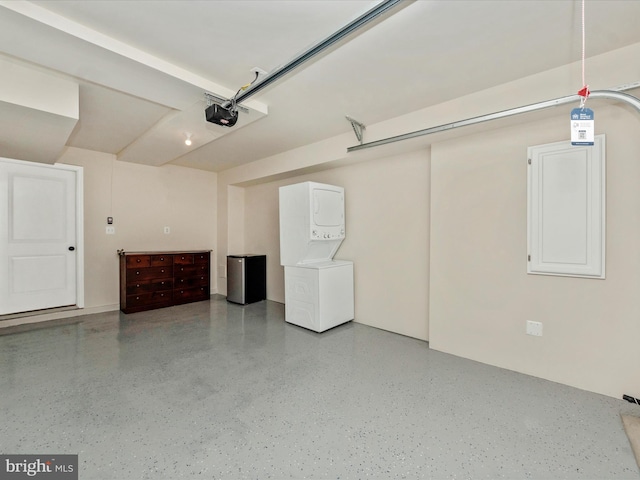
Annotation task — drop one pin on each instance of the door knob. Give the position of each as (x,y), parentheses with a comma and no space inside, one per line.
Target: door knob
(71,249)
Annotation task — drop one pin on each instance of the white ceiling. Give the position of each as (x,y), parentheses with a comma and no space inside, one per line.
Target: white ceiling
(143,66)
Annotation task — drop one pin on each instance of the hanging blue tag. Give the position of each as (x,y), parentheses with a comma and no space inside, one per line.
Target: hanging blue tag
(582,126)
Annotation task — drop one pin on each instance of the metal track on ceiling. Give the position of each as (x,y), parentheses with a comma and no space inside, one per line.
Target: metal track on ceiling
(612,94)
(376,12)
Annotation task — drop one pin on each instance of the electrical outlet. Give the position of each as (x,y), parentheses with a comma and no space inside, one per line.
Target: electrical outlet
(534,328)
(111,230)
(167,230)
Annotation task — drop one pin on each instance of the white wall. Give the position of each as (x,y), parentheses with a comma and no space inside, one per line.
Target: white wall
(387,224)
(142,200)
(479,295)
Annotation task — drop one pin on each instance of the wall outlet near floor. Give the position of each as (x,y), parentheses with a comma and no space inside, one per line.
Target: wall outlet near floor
(167,230)
(111,230)
(534,328)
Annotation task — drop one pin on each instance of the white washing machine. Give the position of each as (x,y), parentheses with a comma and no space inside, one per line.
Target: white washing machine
(319,296)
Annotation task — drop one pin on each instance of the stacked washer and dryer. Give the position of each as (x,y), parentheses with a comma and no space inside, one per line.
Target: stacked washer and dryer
(318,289)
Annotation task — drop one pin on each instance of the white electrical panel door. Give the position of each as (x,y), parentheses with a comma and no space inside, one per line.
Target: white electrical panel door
(566,209)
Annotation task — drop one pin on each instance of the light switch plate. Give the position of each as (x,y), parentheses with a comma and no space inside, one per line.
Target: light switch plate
(534,328)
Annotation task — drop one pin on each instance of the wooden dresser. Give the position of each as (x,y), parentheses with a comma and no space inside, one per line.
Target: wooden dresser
(151,280)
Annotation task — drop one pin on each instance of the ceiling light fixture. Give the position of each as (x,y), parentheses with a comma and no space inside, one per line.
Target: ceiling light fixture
(188,142)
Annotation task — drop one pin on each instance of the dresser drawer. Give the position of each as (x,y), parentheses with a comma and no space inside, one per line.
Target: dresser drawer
(183,259)
(191,294)
(192,281)
(161,260)
(190,270)
(136,274)
(144,286)
(150,298)
(134,261)
(182,271)
(158,284)
(200,258)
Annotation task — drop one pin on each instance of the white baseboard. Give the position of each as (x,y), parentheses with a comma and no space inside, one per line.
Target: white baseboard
(45,316)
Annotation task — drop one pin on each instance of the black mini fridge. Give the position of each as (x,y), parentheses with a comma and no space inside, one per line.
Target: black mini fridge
(246,278)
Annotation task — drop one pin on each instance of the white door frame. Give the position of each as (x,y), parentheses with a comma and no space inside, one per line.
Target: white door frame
(79,241)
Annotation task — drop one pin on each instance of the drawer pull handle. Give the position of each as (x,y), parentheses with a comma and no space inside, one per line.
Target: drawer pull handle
(138,260)
(162,271)
(137,273)
(161,283)
(138,285)
(162,294)
(137,298)
(161,259)
(181,291)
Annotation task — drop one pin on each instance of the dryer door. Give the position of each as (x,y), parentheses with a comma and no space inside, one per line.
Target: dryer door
(328,207)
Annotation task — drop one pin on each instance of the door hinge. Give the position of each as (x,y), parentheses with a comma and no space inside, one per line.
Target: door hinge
(528,258)
(529,161)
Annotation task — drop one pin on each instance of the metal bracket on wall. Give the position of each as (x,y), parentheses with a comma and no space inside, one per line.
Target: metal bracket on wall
(358,128)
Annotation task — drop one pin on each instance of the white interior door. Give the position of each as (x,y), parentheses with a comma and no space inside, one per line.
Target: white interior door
(38,251)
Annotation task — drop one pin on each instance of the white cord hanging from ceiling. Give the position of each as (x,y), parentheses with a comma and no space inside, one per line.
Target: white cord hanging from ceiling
(584,91)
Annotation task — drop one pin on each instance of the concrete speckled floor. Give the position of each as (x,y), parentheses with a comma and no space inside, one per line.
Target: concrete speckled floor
(219,391)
